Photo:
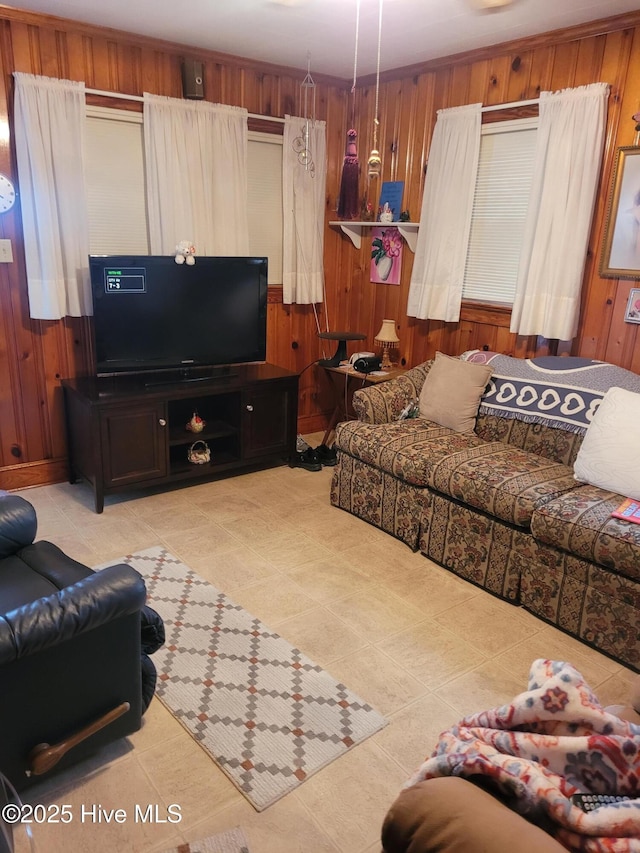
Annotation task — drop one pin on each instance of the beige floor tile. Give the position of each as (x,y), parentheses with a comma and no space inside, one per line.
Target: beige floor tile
(203,543)
(233,569)
(555,645)
(616,690)
(113,539)
(353,813)
(183,773)
(376,613)
(228,505)
(257,528)
(413,732)
(274,599)
(93,799)
(329,578)
(491,625)
(285,827)
(431,653)
(471,652)
(380,560)
(431,588)
(377,679)
(321,636)
(487,686)
(158,726)
(290,550)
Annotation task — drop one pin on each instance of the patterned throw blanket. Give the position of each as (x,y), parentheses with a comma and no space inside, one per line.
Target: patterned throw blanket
(560,392)
(550,742)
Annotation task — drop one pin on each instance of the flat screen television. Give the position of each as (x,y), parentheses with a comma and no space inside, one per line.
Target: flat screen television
(151,314)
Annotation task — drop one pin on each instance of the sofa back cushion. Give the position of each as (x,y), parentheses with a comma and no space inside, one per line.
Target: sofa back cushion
(552,443)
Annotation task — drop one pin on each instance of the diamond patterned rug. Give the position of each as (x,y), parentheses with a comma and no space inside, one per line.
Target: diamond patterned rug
(269,716)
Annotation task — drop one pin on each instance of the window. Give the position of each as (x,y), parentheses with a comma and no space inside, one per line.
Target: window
(503,186)
(265,200)
(116,188)
(115,182)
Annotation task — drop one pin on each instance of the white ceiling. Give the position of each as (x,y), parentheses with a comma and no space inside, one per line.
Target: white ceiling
(322,32)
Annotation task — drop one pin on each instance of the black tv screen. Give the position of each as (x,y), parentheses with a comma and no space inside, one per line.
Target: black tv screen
(152,314)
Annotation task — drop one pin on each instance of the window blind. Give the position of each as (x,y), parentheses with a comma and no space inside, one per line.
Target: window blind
(264,171)
(115,182)
(503,186)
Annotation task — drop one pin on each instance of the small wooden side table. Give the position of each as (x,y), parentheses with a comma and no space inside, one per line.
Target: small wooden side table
(344,381)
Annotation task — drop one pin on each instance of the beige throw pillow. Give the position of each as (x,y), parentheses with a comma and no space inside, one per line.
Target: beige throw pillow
(451,392)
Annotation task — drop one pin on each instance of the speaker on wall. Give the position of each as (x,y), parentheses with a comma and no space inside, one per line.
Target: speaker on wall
(192,79)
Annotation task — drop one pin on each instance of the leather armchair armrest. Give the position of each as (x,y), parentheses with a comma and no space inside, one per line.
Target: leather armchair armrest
(18,524)
(94,601)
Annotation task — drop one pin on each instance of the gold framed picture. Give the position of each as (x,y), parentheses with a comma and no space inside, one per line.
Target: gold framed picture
(620,256)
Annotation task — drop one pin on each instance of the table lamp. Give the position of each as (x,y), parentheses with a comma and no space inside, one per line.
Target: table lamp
(388,339)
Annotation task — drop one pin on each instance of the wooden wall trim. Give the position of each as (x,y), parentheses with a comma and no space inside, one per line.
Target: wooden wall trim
(602,26)
(123,37)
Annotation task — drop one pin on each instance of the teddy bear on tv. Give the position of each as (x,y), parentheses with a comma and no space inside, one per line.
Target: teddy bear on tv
(185,253)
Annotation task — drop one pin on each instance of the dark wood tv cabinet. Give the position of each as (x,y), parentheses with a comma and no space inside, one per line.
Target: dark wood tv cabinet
(127,432)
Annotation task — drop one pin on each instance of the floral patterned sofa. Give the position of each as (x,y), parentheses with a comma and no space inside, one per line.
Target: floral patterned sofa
(498,506)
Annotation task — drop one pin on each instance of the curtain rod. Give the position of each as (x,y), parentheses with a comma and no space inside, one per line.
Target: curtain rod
(510,106)
(121,97)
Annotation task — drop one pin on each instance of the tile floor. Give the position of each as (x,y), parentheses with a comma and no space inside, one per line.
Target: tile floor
(421,645)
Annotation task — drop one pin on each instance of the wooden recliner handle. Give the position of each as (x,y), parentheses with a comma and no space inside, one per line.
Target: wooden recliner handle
(44,757)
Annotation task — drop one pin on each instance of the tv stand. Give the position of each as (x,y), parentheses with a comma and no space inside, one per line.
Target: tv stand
(124,433)
(216,374)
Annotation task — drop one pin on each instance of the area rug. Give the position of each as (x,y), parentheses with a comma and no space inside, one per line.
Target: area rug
(231,841)
(268,715)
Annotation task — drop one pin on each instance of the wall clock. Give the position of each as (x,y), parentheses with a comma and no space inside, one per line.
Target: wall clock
(7,194)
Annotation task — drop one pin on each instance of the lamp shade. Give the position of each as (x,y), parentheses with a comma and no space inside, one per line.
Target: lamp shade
(387,333)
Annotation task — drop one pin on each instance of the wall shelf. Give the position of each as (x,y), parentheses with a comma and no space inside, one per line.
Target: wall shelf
(353,230)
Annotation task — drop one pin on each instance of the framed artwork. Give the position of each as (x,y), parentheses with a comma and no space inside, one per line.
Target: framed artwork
(391,194)
(620,256)
(632,314)
(386,255)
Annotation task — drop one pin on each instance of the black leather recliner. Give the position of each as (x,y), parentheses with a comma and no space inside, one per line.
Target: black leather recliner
(74,645)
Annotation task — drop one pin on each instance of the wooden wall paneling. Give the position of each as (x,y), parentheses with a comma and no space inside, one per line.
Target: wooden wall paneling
(622,336)
(460,82)
(590,58)
(565,61)
(541,71)
(497,81)
(518,78)
(477,74)
(622,53)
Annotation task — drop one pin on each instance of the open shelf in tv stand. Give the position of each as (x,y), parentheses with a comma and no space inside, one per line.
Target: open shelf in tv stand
(126,432)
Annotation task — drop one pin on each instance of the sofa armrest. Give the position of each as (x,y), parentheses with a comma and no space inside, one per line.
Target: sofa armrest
(46,622)
(18,524)
(383,403)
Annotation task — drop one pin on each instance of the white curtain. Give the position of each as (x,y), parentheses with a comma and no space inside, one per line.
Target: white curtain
(304,175)
(435,291)
(568,158)
(49,133)
(196,172)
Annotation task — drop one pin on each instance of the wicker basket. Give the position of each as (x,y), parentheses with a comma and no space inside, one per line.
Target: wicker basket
(199,453)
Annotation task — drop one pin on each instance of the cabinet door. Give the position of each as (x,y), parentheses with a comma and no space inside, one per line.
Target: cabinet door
(134,442)
(268,420)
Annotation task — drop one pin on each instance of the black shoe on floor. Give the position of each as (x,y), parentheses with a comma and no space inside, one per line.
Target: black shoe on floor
(308,459)
(327,455)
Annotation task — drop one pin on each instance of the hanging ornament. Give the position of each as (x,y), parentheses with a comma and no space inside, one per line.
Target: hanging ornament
(374,163)
(348,200)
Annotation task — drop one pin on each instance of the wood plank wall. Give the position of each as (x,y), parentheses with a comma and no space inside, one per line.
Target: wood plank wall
(35,355)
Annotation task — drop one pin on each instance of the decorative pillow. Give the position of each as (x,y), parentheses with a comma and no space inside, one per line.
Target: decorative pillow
(451,392)
(608,456)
